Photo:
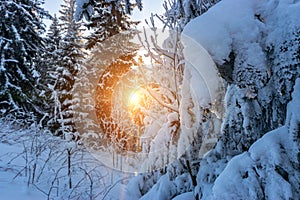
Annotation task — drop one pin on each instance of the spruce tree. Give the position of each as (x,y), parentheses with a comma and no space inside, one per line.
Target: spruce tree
(50,57)
(66,57)
(21,27)
(107,22)
(106,18)
(49,62)
(71,57)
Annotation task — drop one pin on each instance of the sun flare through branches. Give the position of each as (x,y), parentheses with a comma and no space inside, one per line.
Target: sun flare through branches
(135,98)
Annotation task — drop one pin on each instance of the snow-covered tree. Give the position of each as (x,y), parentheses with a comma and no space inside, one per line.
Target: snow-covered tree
(261,67)
(179,126)
(66,56)
(270,168)
(105,65)
(20,43)
(179,12)
(161,82)
(86,123)
(108,23)
(105,18)
(262,84)
(66,59)
(174,77)
(259,62)
(49,59)
(104,96)
(54,35)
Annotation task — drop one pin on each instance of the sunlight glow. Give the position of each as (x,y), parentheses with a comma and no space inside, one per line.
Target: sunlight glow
(135,98)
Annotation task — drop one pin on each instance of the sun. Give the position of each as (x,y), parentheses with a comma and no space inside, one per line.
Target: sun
(135,98)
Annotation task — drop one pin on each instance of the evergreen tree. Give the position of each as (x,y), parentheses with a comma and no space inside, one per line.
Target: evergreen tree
(179,12)
(261,89)
(49,58)
(84,108)
(264,73)
(20,43)
(105,18)
(54,35)
(47,61)
(66,59)
(112,59)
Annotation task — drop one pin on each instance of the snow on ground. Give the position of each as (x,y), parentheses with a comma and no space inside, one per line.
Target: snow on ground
(11,188)
(34,166)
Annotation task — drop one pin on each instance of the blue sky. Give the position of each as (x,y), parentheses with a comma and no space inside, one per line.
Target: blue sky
(154,6)
(53,5)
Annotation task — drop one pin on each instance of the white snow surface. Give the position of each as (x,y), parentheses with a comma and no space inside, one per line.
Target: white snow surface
(9,187)
(23,148)
(225,22)
(201,72)
(162,190)
(239,179)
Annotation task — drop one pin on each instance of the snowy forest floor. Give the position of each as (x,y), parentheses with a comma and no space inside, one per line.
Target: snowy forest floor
(10,187)
(11,161)
(34,165)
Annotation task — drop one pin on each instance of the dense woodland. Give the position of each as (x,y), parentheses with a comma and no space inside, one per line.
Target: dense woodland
(98,109)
